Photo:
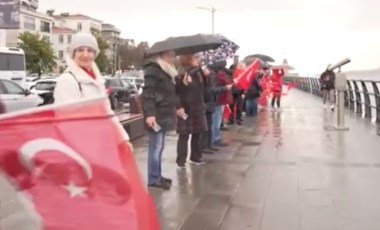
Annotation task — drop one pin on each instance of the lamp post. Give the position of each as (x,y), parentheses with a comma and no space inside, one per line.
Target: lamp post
(212,10)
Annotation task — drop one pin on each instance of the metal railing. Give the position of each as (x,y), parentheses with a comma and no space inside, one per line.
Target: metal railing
(361,97)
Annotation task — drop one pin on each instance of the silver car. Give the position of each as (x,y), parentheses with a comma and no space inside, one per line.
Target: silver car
(16,98)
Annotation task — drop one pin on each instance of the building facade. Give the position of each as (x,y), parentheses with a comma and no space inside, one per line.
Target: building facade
(112,35)
(60,42)
(33,22)
(78,22)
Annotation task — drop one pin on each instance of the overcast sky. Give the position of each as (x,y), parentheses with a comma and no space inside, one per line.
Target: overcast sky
(309,33)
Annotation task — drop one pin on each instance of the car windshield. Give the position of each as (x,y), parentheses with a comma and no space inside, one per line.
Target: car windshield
(139,81)
(46,85)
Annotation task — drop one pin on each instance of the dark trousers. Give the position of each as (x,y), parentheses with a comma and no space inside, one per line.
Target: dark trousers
(206,138)
(182,144)
(237,100)
(276,99)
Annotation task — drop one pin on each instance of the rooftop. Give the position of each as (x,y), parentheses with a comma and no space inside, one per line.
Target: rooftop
(62,30)
(75,16)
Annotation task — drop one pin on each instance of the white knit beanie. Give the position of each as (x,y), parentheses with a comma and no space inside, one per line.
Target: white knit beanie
(83,40)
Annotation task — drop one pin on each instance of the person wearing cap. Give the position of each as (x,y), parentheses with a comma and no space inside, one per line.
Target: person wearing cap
(82,78)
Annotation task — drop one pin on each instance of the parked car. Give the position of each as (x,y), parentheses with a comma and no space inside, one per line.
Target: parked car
(119,91)
(31,81)
(16,98)
(45,88)
(135,81)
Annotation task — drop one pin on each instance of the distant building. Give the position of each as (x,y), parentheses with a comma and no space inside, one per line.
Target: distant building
(61,41)
(78,22)
(30,4)
(33,22)
(112,35)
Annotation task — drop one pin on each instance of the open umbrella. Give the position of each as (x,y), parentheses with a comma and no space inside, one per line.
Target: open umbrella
(186,44)
(222,53)
(262,57)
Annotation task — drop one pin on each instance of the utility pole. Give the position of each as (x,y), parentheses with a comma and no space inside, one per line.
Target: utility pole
(212,10)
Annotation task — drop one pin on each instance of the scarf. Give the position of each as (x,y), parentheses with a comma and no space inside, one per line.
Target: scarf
(167,67)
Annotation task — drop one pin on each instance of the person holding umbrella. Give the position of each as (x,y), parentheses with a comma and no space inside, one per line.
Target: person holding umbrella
(190,90)
(158,103)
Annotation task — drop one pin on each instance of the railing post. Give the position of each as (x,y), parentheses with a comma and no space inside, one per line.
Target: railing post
(310,83)
(367,101)
(358,100)
(351,96)
(377,100)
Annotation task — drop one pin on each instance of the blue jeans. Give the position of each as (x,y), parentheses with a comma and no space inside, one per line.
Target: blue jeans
(156,147)
(217,118)
(251,107)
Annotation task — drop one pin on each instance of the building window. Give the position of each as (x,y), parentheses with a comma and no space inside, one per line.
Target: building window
(60,54)
(45,27)
(29,23)
(69,39)
(60,39)
(79,26)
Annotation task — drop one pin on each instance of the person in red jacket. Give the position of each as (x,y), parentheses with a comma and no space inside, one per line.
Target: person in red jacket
(277,75)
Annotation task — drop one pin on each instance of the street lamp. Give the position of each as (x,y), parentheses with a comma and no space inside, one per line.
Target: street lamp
(212,10)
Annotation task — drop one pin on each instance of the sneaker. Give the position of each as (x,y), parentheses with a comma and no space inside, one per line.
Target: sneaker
(222,144)
(166,180)
(332,108)
(213,149)
(207,151)
(181,166)
(160,185)
(197,162)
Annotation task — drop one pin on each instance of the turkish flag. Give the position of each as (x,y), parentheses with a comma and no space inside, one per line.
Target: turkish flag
(65,167)
(245,76)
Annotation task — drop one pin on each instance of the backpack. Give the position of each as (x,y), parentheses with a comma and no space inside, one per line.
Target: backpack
(50,100)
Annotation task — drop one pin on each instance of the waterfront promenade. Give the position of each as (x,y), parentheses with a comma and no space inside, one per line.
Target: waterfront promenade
(281,171)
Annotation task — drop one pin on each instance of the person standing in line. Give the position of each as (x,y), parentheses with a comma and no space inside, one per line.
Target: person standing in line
(192,111)
(212,90)
(159,101)
(277,75)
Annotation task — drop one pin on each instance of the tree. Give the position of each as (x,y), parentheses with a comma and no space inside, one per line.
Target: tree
(132,55)
(101,60)
(39,54)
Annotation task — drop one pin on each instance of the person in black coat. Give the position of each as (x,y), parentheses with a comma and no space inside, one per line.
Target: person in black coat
(327,82)
(211,91)
(192,111)
(252,94)
(159,101)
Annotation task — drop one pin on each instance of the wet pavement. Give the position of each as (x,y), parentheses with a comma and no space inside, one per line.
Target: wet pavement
(281,171)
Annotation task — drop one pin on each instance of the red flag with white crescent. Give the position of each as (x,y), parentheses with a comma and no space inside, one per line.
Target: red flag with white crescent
(245,76)
(65,167)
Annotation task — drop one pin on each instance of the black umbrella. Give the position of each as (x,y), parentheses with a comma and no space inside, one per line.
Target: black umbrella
(262,57)
(186,44)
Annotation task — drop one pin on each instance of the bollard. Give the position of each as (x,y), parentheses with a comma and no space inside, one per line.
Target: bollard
(341,87)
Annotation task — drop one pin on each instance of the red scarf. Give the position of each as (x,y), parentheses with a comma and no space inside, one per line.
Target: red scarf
(90,72)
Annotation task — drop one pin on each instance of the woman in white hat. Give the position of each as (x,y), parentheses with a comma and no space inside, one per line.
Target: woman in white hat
(82,78)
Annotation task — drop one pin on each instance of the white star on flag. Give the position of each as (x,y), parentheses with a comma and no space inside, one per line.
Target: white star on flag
(74,190)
